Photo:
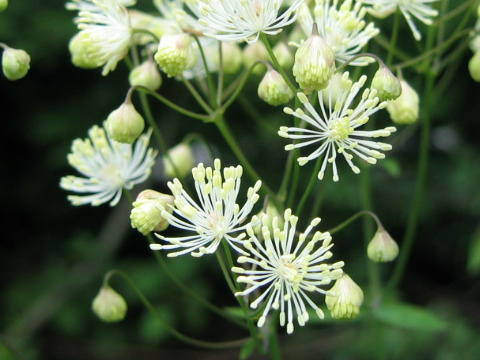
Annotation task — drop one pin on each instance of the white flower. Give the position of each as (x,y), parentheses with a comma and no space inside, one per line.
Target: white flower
(337,129)
(343,29)
(421,9)
(244,20)
(216,217)
(108,167)
(287,268)
(105,31)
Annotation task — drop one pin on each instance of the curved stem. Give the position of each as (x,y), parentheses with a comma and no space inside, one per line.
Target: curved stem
(168,327)
(353,218)
(211,87)
(174,106)
(197,96)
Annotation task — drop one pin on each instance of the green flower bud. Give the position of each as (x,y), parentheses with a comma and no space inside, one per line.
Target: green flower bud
(314,63)
(175,54)
(344,298)
(273,89)
(404,109)
(183,158)
(284,55)
(146,74)
(15,63)
(474,66)
(254,52)
(146,215)
(109,305)
(124,124)
(3,5)
(382,248)
(387,85)
(80,47)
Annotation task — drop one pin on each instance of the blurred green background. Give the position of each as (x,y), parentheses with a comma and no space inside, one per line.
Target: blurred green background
(54,256)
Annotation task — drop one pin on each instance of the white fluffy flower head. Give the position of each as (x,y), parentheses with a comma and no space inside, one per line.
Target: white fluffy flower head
(217,215)
(343,28)
(108,167)
(289,269)
(244,20)
(336,126)
(105,30)
(420,9)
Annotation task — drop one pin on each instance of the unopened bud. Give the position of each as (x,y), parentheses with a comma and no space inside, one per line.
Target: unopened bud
(382,248)
(79,47)
(124,124)
(146,74)
(273,89)
(404,109)
(146,215)
(346,299)
(314,63)
(182,156)
(284,55)
(474,66)
(387,85)
(109,305)
(15,63)
(175,54)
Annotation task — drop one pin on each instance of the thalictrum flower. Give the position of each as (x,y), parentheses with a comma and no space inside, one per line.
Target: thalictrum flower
(335,127)
(105,32)
(107,167)
(420,9)
(217,216)
(244,20)
(287,269)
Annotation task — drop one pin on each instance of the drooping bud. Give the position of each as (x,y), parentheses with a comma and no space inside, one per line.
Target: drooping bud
(314,63)
(344,298)
(146,215)
(3,5)
(254,52)
(183,158)
(124,124)
(175,54)
(404,109)
(146,74)
(474,66)
(387,85)
(382,248)
(15,63)
(109,305)
(273,89)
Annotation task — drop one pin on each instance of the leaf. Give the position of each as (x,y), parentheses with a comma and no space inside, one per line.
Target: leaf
(410,317)
(473,256)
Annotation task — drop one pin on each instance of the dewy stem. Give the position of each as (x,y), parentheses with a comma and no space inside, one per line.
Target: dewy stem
(167,326)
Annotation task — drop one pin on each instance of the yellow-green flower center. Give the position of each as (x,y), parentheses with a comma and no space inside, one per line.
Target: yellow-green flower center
(340,129)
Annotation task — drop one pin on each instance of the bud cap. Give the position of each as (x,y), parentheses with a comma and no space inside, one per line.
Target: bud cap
(125,124)
(175,54)
(345,299)
(387,85)
(274,90)
(404,109)
(382,248)
(146,74)
(15,63)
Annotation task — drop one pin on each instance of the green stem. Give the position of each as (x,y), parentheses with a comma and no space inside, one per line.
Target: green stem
(310,186)
(225,273)
(211,87)
(353,218)
(174,106)
(168,327)
(393,39)
(197,96)
(229,138)
(422,168)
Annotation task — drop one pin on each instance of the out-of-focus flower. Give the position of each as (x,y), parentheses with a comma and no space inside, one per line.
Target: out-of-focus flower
(273,89)
(107,167)
(404,109)
(109,305)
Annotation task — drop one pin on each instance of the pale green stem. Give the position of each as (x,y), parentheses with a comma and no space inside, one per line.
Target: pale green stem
(220,75)
(353,218)
(196,95)
(211,87)
(393,39)
(175,333)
